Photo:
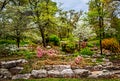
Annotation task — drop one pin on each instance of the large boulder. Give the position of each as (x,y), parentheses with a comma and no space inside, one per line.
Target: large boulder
(57,67)
(67,73)
(61,67)
(80,73)
(21,76)
(102,74)
(39,73)
(21,61)
(48,67)
(5,74)
(11,64)
(8,64)
(54,73)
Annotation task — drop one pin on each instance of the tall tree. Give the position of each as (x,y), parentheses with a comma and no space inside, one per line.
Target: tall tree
(43,15)
(14,21)
(67,22)
(96,17)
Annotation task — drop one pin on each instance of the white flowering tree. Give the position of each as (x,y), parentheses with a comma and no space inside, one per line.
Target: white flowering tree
(84,31)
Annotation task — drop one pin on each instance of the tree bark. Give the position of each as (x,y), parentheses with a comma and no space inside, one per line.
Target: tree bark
(43,36)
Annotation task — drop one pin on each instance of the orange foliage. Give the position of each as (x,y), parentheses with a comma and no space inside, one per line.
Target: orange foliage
(111,44)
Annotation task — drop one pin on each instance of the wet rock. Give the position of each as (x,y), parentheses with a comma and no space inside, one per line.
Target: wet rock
(39,73)
(21,76)
(80,73)
(67,73)
(5,74)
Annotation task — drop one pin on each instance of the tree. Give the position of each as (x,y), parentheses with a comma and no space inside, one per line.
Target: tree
(43,15)
(67,22)
(97,14)
(14,21)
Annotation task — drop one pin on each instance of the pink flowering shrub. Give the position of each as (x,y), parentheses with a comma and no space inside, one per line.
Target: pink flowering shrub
(78,59)
(50,52)
(40,52)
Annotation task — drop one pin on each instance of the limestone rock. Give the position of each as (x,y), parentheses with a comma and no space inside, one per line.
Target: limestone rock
(21,76)
(15,70)
(5,74)
(39,73)
(9,64)
(48,67)
(21,61)
(67,73)
(61,67)
(80,73)
(54,73)
(101,74)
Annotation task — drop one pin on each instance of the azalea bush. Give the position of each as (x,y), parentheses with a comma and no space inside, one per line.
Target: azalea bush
(111,44)
(50,52)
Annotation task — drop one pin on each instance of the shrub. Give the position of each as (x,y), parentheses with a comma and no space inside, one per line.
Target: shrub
(68,46)
(111,44)
(54,39)
(90,44)
(7,50)
(86,51)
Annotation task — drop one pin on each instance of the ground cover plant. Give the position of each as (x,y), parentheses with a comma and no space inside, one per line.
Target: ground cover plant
(44,33)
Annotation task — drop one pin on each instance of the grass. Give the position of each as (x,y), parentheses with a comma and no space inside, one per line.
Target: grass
(67,79)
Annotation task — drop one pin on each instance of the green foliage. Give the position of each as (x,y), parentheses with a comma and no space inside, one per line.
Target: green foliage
(68,46)
(54,39)
(27,53)
(86,51)
(7,50)
(7,42)
(90,44)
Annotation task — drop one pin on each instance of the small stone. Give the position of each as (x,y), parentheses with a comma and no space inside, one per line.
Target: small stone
(48,47)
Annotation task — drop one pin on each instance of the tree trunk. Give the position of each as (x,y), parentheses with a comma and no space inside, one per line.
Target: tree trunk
(18,41)
(100,25)
(43,36)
